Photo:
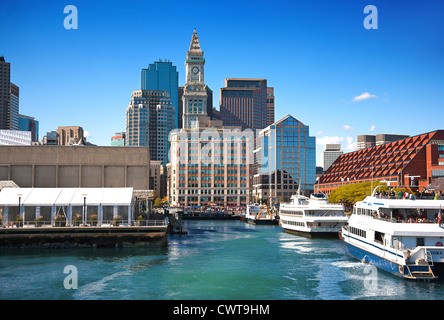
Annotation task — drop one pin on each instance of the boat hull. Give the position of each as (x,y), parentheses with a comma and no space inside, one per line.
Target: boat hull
(320,234)
(389,266)
(261,221)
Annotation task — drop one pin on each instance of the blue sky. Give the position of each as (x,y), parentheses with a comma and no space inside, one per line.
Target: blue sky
(316,54)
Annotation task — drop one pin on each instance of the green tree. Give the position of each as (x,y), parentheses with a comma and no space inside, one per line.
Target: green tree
(349,194)
(158,202)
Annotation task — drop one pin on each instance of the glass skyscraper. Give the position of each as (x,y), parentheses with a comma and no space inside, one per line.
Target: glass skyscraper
(163,76)
(284,158)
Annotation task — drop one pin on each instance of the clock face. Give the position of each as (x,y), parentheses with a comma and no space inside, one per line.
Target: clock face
(195,70)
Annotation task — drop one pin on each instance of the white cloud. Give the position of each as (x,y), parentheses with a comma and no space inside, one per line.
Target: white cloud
(372,128)
(363,96)
(86,134)
(347,127)
(329,140)
(320,132)
(351,144)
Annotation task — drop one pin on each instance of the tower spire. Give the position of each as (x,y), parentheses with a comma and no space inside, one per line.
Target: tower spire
(195,44)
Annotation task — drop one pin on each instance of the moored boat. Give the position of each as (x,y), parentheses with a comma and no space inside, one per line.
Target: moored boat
(402,236)
(260,214)
(312,216)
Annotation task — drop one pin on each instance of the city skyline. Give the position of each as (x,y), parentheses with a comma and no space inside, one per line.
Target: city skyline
(327,70)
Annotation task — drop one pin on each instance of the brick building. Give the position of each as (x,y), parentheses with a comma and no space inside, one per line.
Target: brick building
(416,160)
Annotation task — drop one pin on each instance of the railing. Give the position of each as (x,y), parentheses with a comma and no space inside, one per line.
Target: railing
(89,223)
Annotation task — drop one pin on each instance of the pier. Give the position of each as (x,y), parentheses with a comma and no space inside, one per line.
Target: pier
(78,217)
(84,237)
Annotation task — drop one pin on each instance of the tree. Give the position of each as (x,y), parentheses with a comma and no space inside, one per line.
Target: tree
(158,202)
(349,194)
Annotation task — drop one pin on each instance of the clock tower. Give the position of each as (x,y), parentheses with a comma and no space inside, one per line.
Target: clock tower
(194,97)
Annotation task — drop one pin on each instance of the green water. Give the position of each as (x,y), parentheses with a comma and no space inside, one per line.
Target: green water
(216,260)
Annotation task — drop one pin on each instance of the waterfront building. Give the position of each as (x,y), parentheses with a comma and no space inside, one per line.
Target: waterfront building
(367,141)
(416,160)
(210,165)
(75,166)
(15,138)
(285,157)
(149,119)
(247,103)
(27,123)
(330,154)
(118,139)
(209,162)
(163,76)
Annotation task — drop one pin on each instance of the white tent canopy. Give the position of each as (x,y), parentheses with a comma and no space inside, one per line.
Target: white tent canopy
(10,196)
(69,198)
(66,196)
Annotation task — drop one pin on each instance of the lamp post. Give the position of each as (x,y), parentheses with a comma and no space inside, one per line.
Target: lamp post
(20,207)
(84,210)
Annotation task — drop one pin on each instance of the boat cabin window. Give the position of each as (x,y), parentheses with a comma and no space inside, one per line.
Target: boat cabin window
(358,232)
(420,242)
(379,237)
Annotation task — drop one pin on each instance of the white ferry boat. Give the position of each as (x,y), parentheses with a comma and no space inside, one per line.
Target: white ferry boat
(401,236)
(260,214)
(312,217)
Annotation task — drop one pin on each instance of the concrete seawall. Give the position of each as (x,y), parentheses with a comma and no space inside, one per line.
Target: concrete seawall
(83,237)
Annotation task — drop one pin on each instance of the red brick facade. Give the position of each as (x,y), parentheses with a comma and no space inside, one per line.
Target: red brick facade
(400,161)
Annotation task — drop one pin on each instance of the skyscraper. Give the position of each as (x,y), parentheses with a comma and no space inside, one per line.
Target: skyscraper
(330,154)
(149,120)
(162,76)
(210,164)
(27,123)
(284,158)
(9,98)
(194,99)
(247,103)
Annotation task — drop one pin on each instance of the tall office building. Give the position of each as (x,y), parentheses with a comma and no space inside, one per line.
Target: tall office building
(330,154)
(270,105)
(9,98)
(285,156)
(149,120)
(27,123)
(210,163)
(14,107)
(163,76)
(195,97)
(247,103)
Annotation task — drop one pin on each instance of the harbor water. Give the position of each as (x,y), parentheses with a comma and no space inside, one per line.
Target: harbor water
(216,260)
